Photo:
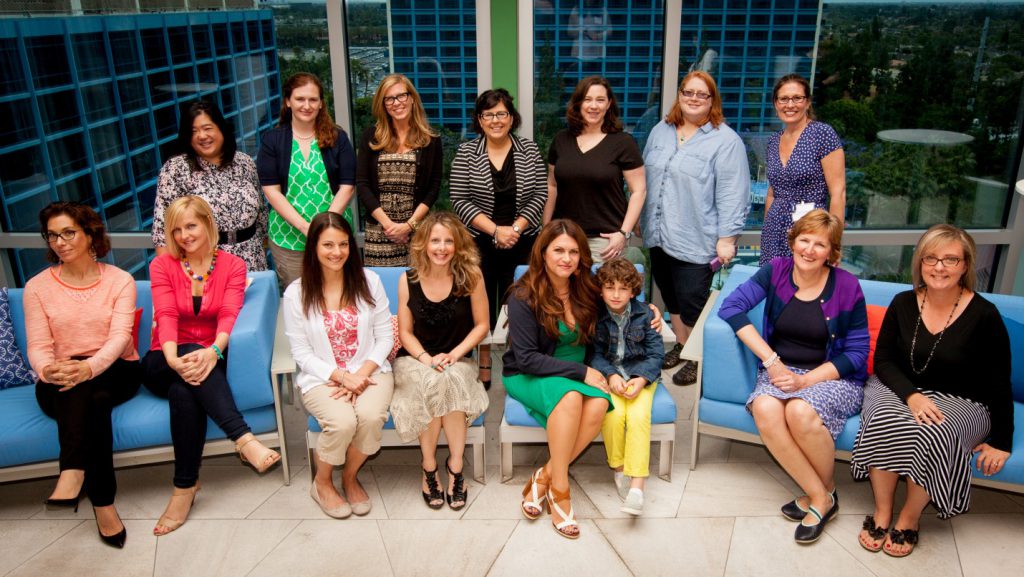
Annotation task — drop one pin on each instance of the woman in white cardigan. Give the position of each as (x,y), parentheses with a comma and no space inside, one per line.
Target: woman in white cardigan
(337,320)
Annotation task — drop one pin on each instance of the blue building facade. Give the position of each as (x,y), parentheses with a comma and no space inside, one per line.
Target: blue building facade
(89,108)
(434,44)
(747,45)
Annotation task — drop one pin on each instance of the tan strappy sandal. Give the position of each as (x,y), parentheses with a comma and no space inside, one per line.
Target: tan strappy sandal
(267,459)
(167,524)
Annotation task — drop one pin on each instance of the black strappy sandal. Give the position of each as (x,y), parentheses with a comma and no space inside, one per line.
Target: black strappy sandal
(901,537)
(436,497)
(459,492)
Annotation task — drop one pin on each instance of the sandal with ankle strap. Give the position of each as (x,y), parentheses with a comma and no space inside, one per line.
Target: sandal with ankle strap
(568,519)
(874,532)
(901,537)
(170,524)
(536,498)
(268,459)
(435,498)
(459,493)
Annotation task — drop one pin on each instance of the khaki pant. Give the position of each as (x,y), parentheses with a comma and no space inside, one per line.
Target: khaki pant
(343,424)
(598,243)
(287,263)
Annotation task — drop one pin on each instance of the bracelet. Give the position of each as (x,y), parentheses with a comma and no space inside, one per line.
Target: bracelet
(770,360)
(413,224)
(420,355)
(216,349)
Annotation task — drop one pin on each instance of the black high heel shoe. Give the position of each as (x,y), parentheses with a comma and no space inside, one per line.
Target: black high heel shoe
(436,497)
(459,492)
(116,541)
(72,503)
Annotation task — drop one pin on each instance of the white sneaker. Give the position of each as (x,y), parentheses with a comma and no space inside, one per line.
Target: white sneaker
(634,504)
(622,485)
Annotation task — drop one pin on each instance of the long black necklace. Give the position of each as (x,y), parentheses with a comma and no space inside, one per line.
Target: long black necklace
(913,341)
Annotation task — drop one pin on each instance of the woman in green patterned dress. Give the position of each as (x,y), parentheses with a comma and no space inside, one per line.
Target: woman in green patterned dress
(552,314)
(306,166)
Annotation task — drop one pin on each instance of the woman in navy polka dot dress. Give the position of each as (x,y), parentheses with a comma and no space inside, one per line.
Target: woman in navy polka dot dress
(805,164)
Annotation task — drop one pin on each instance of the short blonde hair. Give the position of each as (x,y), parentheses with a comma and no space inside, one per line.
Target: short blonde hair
(177,210)
(941,234)
(819,221)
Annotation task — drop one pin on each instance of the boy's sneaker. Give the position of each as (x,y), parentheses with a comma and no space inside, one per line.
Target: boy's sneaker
(686,375)
(634,504)
(672,357)
(621,485)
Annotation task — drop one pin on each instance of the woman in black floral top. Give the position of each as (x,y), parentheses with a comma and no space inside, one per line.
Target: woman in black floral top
(211,167)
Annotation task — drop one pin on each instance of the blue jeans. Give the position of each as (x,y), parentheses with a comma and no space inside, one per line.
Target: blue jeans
(190,405)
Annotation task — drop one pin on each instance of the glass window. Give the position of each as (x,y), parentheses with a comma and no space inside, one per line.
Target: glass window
(238,36)
(201,41)
(78,190)
(181,50)
(145,165)
(185,81)
(105,141)
(48,58)
(113,182)
(124,46)
(207,74)
(12,78)
(22,170)
(99,101)
(59,111)
(138,131)
(160,87)
(123,214)
(220,39)
(166,121)
(154,48)
(90,56)
(253,29)
(16,121)
(23,214)
(67,155)
(132,92)
(225,71)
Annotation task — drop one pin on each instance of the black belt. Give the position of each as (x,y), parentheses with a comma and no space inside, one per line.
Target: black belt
(236,236)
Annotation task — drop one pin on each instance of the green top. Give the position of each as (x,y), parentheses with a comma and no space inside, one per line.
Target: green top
(309,192)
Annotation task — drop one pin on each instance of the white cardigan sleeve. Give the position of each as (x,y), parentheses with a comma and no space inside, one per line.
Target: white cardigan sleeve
(302,332)
(383,337)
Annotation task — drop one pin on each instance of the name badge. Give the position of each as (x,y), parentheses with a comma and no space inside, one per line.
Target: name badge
(801,209)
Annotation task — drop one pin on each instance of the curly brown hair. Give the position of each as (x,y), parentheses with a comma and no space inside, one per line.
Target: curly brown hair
(323,125)
(85,217)
(574,117)
(535,288)
(620,270)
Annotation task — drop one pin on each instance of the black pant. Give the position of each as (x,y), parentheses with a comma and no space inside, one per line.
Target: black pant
(190,406)
(83,424)
(499,267)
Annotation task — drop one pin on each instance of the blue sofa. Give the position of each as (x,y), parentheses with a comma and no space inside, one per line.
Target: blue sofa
(728,379)
(28,438)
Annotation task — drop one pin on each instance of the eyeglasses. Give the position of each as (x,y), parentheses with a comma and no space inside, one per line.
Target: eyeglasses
(695,94)
(65,235)
(400,98)
(495,115)
(949,261)
(791,99)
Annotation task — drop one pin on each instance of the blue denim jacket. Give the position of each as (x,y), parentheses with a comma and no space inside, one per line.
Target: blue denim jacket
(645,350)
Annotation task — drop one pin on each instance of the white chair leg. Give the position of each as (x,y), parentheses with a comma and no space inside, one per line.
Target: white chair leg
(665,460)
(506,462)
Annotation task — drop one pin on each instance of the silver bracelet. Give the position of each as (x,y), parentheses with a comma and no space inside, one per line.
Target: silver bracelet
(770,361)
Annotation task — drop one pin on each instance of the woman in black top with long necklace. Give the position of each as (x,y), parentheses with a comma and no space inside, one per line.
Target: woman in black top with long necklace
(940,393)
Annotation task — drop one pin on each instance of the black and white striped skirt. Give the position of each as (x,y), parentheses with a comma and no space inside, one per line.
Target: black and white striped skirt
(936,457)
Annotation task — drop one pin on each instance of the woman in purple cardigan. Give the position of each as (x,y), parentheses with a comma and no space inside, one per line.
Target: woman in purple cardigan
(813,355)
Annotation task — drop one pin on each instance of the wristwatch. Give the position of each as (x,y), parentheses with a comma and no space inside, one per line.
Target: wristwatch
(627,234)
(516,229)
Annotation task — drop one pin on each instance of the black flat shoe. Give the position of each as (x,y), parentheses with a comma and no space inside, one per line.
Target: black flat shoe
(794,512)
(435,498)
(52,504)
(806,534)
(459,492)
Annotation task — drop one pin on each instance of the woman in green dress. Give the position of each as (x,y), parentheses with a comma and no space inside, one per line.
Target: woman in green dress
(552,313)
(306,166)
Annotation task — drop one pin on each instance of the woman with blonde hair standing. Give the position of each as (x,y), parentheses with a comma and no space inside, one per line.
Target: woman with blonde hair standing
(398,174)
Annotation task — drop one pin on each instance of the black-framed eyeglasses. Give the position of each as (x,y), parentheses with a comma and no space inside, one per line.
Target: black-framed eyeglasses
(67,235)
(950,261)
(400,98)
(494,115)
(791,100)
(695,94)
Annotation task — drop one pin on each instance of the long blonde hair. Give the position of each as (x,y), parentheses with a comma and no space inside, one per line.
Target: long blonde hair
(465,263)
(384,136)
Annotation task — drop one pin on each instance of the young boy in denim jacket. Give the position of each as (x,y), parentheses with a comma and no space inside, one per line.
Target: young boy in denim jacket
(629,353)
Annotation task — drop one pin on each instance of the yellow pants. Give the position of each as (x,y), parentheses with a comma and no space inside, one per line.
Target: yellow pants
(627,433)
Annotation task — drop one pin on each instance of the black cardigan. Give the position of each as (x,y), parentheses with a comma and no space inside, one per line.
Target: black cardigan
(275,157)
(428,174)
(530,349)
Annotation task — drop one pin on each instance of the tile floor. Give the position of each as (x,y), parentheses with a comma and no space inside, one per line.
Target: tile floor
(719,519)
